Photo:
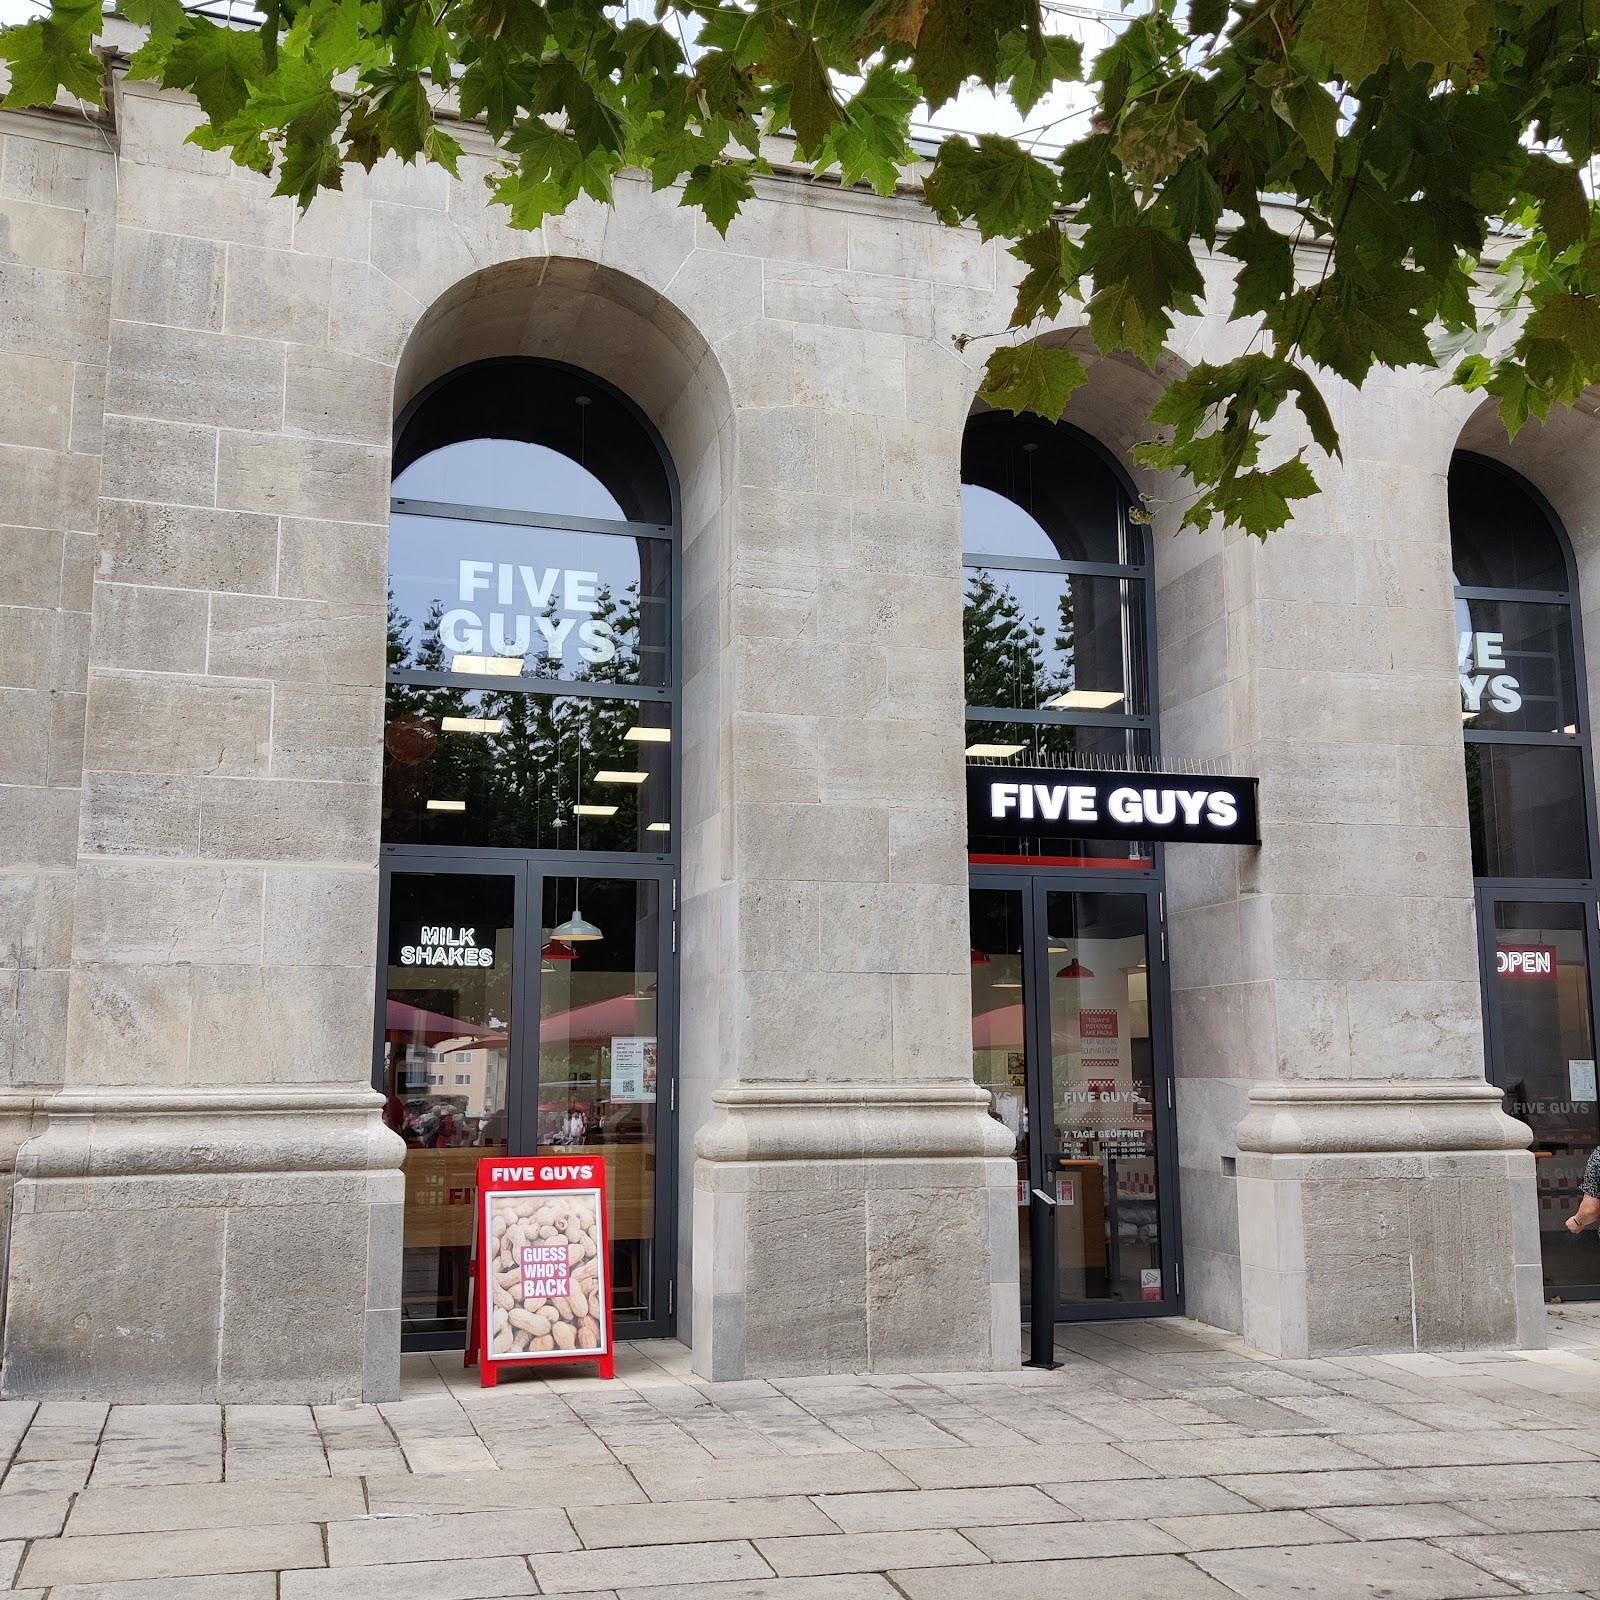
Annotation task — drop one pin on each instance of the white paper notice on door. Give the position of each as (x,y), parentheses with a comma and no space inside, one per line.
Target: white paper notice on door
(633,1069)
(1580,1076)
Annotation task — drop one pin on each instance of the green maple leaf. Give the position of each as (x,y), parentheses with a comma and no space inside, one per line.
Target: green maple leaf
(1313,113)
(1207,17)
(296,95)
(869,142)
(309,166)
(1032,377)
(1350,324)
(1193,201)
(1142,273)
(1258,501)
(1572,320)
(162,21)
(1564,209)
(54,52)
(216,65)
(961,39)
(1054,265)
(492,88)
(1359,36)
(719,189)
(793,62)
(1032,65)
(995,182)
(1267,273)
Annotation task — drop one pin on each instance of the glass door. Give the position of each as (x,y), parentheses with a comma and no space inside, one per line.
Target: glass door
(524,1010)
(604,1079)
(1541,1046)
(450,1008)
(1070,1036)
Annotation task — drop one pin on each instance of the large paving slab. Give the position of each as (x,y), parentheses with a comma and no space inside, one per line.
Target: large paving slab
(1163,1461)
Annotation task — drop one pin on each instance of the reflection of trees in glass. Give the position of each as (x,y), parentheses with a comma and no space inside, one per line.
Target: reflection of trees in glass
(1003,646)
(1008,662)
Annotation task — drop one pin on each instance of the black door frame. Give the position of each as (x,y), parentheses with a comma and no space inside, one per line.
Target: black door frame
(528,870)
(1032,885)
(1493,891)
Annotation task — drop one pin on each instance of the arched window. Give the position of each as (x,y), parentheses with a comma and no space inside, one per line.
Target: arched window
(1070,1035)
(531,653)
(1058,605)
(529,783)
(1525,722)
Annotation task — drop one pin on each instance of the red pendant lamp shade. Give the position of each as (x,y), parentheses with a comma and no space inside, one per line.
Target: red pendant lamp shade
(980,958)
(1075,969)
(558,950)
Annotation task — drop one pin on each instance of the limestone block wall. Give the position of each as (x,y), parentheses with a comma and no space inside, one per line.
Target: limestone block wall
(1325,988)
(214,1149)
(844,1201)
(57,181)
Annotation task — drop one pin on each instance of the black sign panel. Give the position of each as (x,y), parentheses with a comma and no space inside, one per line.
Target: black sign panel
(1156,807)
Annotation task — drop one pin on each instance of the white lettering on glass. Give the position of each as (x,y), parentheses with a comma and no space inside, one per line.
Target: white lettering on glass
(519,612)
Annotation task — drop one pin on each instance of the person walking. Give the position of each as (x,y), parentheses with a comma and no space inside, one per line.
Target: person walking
(1589,1207)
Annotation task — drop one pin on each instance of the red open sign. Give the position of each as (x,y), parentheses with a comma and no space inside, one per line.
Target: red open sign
(1525,961)
(541,1278)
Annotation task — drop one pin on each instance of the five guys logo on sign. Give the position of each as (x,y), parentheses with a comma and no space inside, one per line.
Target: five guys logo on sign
(1034,802)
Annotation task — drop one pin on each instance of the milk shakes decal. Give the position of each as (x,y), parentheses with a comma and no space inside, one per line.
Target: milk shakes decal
(509,609)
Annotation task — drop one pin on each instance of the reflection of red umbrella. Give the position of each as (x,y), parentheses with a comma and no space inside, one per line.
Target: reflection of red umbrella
(603,1020)
(427,1027)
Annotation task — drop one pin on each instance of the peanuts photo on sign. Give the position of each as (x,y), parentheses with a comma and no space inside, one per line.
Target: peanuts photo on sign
(546,1280)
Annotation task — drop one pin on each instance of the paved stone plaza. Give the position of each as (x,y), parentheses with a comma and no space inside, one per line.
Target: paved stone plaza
(1163,1461)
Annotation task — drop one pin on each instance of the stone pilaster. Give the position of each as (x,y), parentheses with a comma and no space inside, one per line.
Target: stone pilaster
(1349,1179)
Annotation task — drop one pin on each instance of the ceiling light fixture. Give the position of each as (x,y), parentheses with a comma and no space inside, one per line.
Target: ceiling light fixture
(488,726)
(995,750)
(488,666)
(586,809)
(658,827)
(1085,700)
(643,735)
(609,776)
(447,805)
(1075,969)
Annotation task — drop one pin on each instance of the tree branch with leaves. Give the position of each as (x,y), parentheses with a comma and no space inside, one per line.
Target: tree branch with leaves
(1396,140)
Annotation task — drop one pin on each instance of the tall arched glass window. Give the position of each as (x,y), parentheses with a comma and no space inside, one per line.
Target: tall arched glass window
(531,664)
(529,795)
(1070,1029)
(1525,722)
(1058,608)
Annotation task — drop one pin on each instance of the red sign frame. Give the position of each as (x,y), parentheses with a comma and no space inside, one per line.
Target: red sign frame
(553,1294)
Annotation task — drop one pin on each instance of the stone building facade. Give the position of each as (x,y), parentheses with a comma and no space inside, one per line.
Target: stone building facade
(199,393)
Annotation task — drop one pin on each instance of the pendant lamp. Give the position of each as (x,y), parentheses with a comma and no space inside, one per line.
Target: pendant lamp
(1075,969)
(577,928)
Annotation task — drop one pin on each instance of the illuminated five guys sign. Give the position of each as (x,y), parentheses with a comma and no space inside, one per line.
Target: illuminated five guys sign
(1159,807)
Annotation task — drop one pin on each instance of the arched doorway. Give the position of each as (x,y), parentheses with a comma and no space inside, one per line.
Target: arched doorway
(530,800)
(1071,1025)
(1530,802)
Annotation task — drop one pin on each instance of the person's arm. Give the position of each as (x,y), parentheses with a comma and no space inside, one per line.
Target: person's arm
(1589,1208)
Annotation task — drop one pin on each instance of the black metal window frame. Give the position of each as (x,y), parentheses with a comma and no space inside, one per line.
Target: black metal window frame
(1567,598)
(1490,891)
(1142,574)
(530,866)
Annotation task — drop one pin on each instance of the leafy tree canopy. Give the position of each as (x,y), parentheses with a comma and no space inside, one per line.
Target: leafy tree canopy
(1398,135)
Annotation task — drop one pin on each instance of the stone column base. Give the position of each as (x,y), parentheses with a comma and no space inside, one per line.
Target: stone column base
(1387,1216)
(854,1228)
(191,1245)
